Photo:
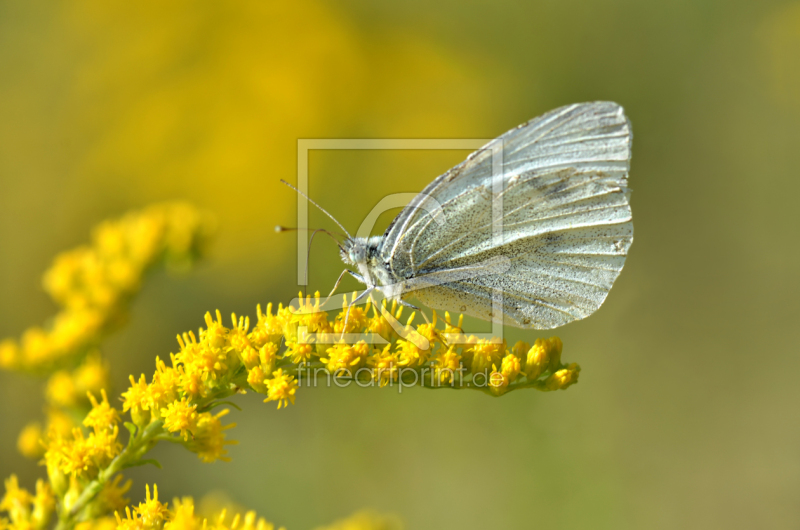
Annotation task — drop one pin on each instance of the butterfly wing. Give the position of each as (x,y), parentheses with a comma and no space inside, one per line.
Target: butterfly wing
(562,221)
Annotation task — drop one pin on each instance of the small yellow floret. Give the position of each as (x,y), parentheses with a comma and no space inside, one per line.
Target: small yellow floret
(16,500)
(102,415)
(61,390)
(281,388)
(151,511)
(180,416)
(511,367)
(446,364)
(563,378)
(209,440)
(537,359)
(485,353)
(385,366)
(29,442)
(343,356)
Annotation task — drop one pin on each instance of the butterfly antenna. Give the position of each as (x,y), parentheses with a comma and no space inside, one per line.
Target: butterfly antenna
(323,210)
(311,240)
(334,235)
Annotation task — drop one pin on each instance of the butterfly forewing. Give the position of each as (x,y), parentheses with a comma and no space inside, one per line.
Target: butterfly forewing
(566,221)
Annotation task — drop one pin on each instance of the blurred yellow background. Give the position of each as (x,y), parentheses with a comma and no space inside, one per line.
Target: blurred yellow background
(686,412)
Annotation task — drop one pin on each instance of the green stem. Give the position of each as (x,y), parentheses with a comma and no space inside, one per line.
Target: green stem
(131,453)
(140,443)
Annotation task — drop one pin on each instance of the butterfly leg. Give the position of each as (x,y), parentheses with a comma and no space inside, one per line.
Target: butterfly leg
(336,285)
(412,306)
(360,297)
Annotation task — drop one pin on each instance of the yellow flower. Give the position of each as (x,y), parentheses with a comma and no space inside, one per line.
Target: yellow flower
(511,367)
(298,352)
(152,512)
(93,283)
(183,517)
(556,346)
(215,333)
(485,353)
(165,386)
(137,400)
(385,365)
(430,332)
(537,359)
(209,439)
(16,501)
(9,354)
(410,354)
(454,334)
(268,355)
(356,321)
(249,357)
(61,389)
(498,382)
(192,382)
(112,498)
(102,415)
(44,504)
(520,349)
(181,416)
(269,327)
(250,522)
(37,347)
(563,378)
(345,356)
(238,341)
(130,522)
(29,442)
(446,363)
(210,361)
(53,457)
(545,355)
(255,378)
(82,456)
(310,315)
(285,317)
(379,323)
(281,388)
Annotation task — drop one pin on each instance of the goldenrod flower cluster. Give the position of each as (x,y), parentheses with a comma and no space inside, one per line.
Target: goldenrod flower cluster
(152,514)
(284,349)
(68,394)
(155,515)
(93,283)
(382,351)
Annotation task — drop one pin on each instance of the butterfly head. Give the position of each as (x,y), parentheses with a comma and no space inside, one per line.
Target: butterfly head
(359,250)
(362,253)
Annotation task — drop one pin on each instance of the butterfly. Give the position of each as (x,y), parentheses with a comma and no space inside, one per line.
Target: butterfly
(531,230)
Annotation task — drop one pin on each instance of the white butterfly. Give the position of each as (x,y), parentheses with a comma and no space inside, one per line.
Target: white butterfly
(559,197)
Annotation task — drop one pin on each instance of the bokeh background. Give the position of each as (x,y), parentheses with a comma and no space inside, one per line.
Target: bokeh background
(686,415)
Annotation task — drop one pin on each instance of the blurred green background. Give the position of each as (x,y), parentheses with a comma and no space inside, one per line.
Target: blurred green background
(686,415)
